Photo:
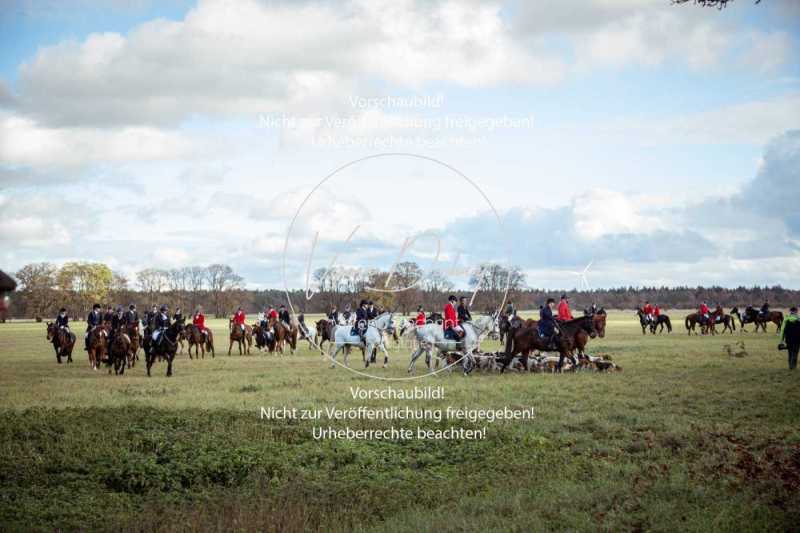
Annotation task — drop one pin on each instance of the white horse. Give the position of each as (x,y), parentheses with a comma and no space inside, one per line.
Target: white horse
(344,340)
(310,332)
(431,336)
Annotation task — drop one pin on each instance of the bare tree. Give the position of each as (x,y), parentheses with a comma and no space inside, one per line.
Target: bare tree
(222,279)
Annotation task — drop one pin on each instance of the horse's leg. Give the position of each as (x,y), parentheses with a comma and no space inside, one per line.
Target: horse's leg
(414,357)
(385,356)
(170,357)
(334,351)
(148,357)
(230,347)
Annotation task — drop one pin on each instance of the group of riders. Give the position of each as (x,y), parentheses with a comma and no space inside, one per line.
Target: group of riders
(156,321)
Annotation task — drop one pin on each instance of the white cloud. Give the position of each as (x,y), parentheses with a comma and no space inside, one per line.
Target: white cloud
(768,51)
(23,142)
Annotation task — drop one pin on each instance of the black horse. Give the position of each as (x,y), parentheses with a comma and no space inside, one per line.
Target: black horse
(165,347)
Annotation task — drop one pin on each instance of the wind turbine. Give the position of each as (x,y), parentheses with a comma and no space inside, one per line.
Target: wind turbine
(582,275)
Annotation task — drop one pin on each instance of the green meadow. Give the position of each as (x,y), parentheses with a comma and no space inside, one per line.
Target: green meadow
(686,437)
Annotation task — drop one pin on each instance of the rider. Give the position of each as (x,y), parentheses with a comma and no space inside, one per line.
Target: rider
(131,317)
(593,309)
(62,320)
(656,312)
(372,311)
(265,317)
(94,319)
(510,309)
(704,312)
(451,328)
(421,321)
(463,310)
(150,316)
(563,309)
(117,319)
(362,320)
(547,324)
(199,321)
(765,310)
(239,318)
(161,323)
(333,316)
(178,316)
(648,311)
(283,315)
(347,313)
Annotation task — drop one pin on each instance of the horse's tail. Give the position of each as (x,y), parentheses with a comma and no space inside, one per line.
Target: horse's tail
(733,324)
(686,321)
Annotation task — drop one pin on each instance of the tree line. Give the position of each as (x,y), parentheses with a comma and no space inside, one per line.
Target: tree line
(45,287)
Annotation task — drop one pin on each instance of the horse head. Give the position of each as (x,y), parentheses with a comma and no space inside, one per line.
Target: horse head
(599,323)
(382,321)
(51,331)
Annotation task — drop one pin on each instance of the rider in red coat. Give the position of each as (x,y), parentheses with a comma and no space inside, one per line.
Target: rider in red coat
(421,316)
(450,323)
(239,318)
(563,309)
(656,311)
(199,321)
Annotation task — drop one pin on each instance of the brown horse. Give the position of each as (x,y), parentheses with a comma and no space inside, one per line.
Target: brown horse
(242,337)
(728,322)
(201,343)
(525,338)
(283,335)
(692,320)
(63,341)
(324,332)
(119,353)
(97,341)
(132,330)
(776,317)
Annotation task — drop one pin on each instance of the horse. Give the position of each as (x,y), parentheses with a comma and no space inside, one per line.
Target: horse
(432,336)
(662,320)
(97,341)
(692,319)
(325,329)
(503,326)
(645,321)
(776,317)
(201,343)
(132,330)
(345,340)
(283,335)
(525,338)
(119,353)
(261,336)
(63,341)
(237,335)
(309,333)
(728,322)
(599,322)
(165,347)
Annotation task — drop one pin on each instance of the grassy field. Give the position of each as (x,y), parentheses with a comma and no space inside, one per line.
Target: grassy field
(687,437)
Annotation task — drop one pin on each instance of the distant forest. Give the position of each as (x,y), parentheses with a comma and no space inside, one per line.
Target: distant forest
(44,288)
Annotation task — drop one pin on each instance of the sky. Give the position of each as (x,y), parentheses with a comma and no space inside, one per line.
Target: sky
(659,144)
